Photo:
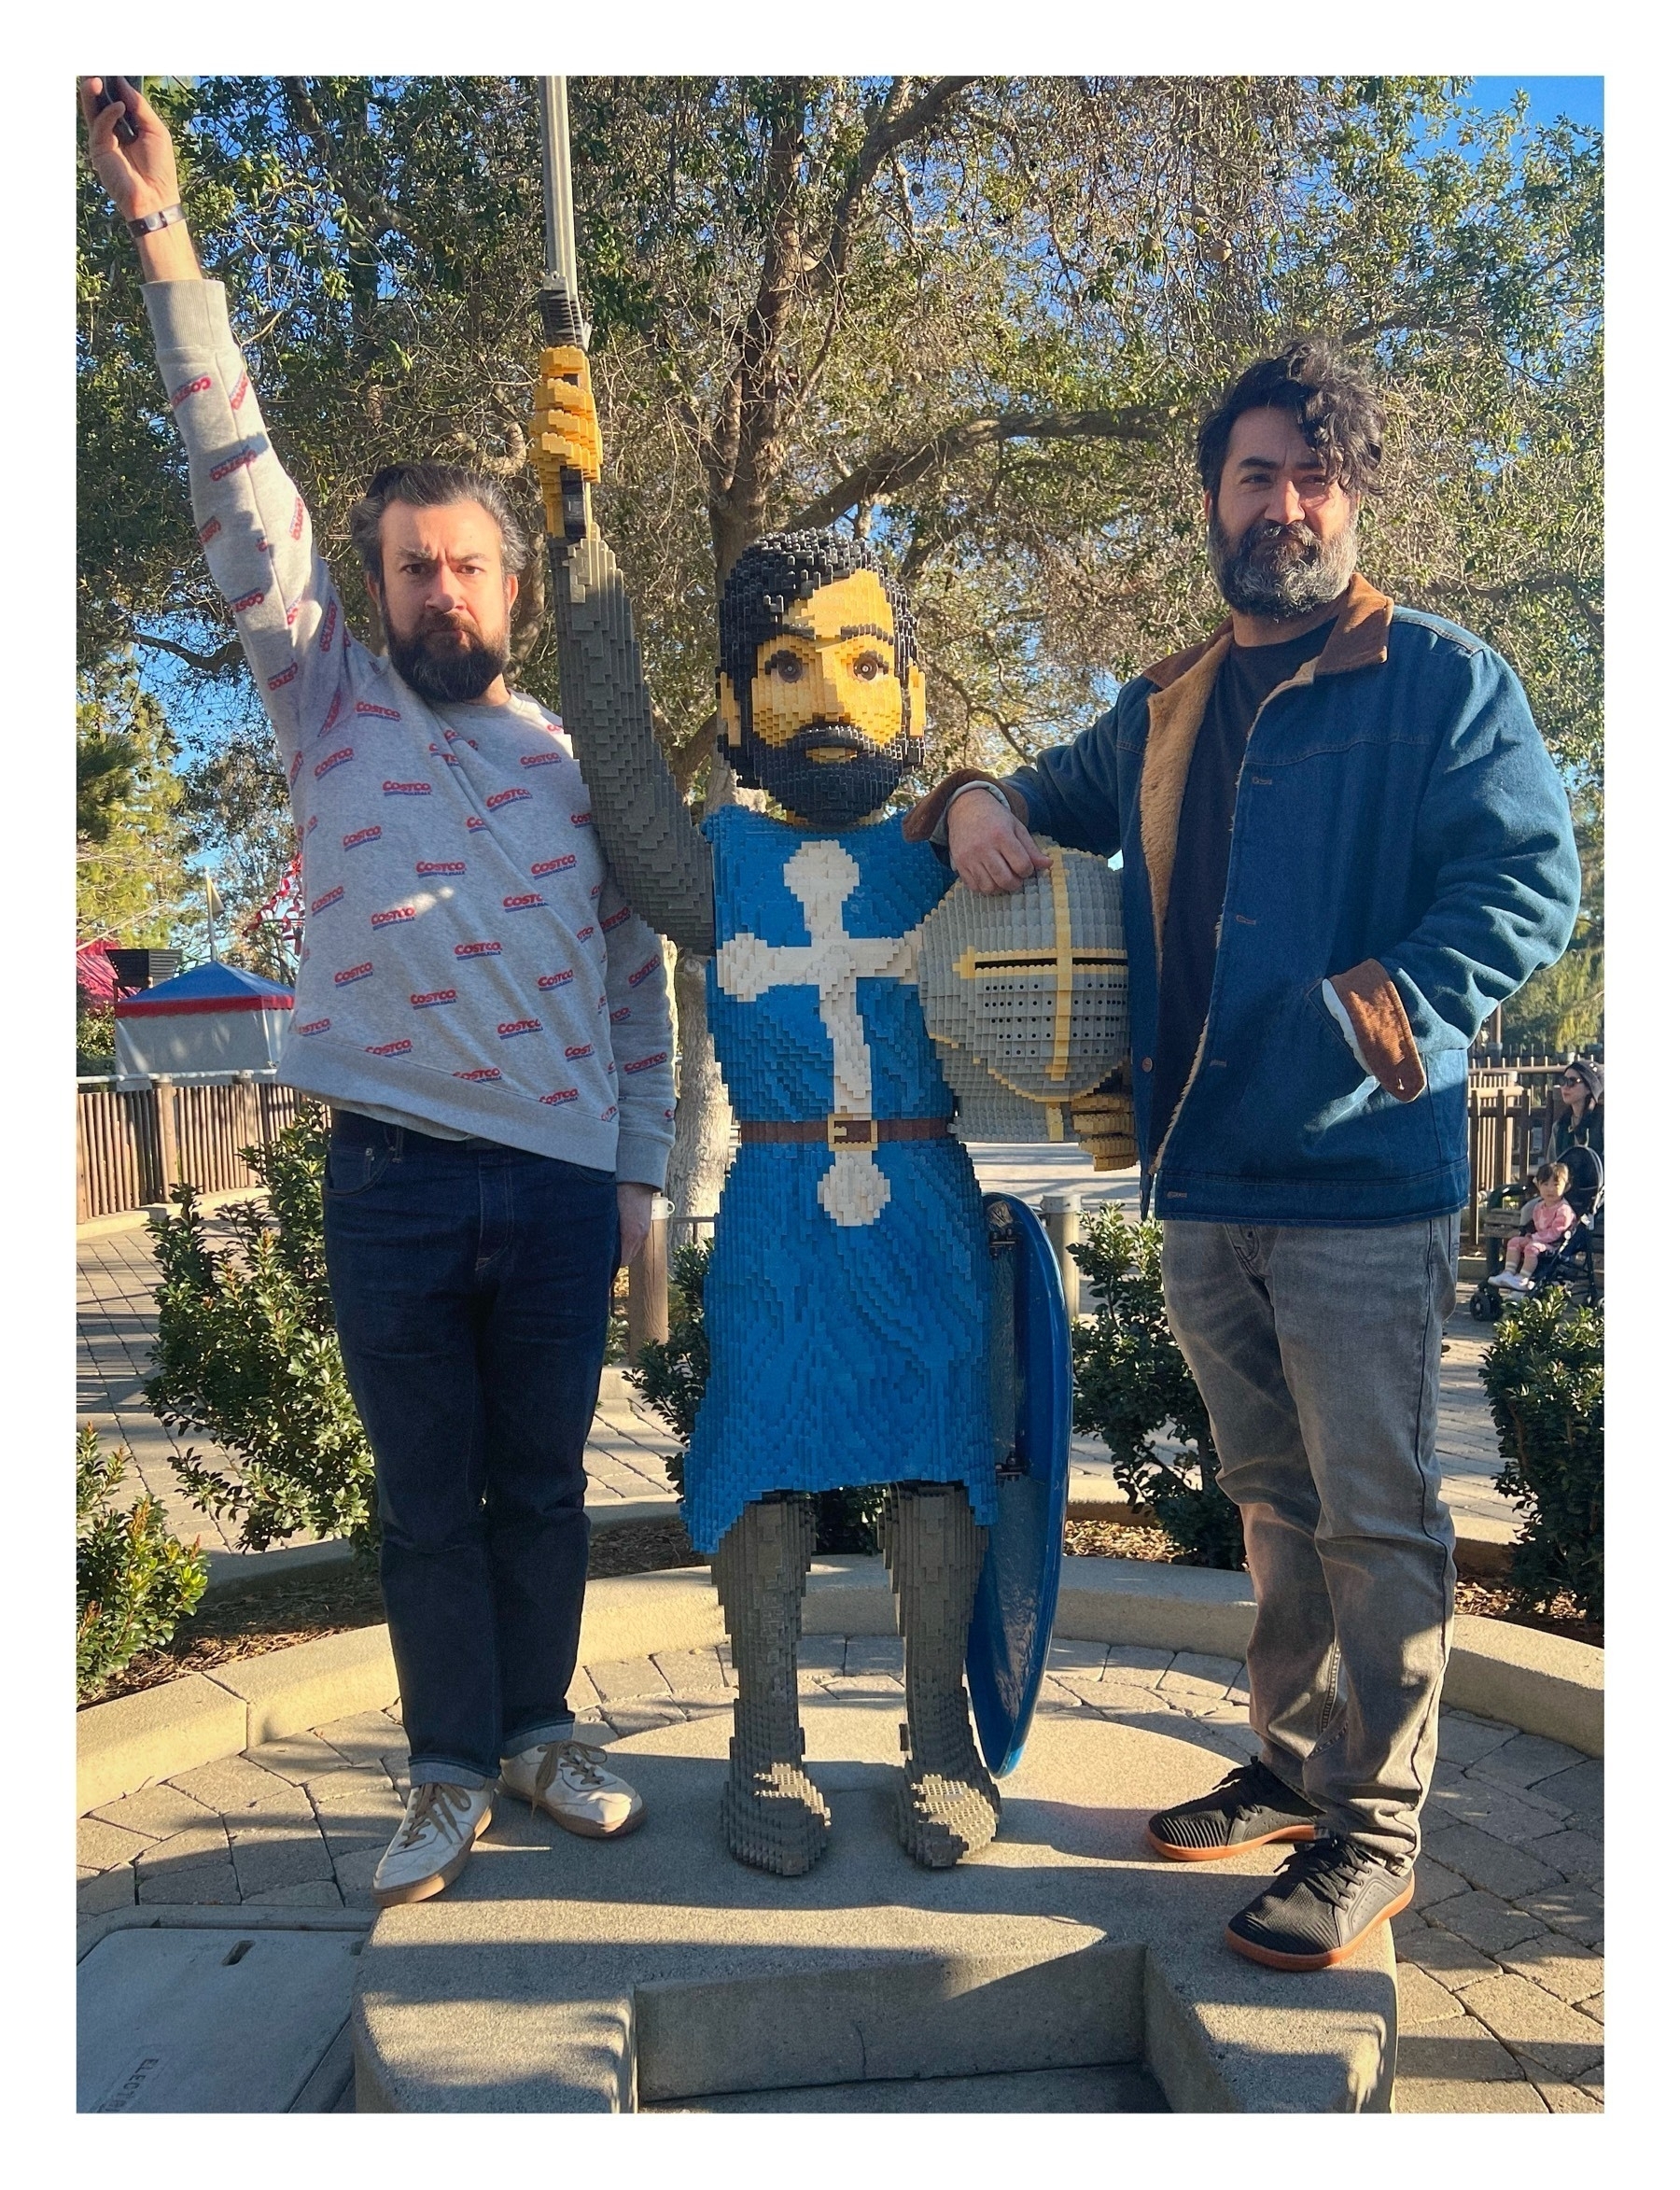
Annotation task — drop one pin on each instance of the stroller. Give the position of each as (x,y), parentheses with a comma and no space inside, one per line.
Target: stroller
(1575,1262)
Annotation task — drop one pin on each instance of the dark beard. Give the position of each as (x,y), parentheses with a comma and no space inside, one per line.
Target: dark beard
(1280,572)
(830,794)
(446,680)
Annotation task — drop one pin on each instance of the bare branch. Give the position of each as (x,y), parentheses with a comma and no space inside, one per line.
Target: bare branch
(225,657)
(898,119)
(889,471)
(372,214)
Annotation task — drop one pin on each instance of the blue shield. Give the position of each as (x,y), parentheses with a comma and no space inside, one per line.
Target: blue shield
(1032,1420)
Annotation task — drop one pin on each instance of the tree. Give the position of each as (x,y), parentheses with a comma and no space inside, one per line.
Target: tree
(131,876)
(975,318)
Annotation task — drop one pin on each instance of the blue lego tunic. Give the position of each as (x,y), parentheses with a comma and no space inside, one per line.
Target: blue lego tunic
(845,1299)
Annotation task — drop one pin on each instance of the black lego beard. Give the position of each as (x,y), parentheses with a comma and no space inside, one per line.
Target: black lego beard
(1281,571)
(446,680)
(830,794)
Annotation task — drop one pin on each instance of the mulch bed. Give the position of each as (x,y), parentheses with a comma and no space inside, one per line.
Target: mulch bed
(327,1600)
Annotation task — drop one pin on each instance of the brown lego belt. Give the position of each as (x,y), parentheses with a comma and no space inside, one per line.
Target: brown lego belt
(839,1131)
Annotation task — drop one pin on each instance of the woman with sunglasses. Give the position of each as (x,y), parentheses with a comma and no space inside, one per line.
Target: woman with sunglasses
(1581,1122)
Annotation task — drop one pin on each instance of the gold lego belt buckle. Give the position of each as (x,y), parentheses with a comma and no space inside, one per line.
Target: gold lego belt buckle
(852,1133)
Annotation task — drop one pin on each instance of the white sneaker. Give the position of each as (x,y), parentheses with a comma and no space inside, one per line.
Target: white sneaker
(572,1784)
(439,1828)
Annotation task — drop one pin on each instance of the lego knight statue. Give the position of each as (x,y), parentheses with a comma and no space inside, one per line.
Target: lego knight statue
(847,1295)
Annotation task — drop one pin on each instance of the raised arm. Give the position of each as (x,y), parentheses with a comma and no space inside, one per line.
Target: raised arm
(255,530)
(660,858)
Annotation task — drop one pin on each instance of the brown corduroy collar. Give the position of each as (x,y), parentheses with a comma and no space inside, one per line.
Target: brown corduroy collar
(1358,639)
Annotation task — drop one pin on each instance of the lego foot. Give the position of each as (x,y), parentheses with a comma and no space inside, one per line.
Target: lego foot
(940,1818)
(774,1818)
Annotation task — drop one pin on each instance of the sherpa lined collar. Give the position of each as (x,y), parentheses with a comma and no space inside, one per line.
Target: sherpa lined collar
(1359,638)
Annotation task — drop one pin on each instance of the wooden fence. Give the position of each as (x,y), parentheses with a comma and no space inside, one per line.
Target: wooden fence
(135,1139)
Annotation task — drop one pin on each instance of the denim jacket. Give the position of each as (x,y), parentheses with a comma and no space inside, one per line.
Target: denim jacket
(1400,829)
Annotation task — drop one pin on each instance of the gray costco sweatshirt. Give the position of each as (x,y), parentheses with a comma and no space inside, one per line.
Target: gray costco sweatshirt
(470,966)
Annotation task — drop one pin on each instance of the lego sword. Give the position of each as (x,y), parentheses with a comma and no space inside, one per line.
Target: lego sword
(562,320)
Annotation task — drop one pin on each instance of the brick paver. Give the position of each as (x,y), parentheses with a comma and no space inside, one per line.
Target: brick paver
(1501,1998)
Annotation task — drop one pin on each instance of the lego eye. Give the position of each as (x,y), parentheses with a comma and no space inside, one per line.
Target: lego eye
(869,667)
(786,665)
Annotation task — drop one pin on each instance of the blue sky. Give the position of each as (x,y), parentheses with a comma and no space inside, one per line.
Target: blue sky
(1551,98)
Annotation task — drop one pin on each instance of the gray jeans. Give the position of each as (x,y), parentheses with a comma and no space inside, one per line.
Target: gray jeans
(1318,1351)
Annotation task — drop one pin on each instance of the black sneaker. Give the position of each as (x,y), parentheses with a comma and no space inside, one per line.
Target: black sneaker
(1248,1807)
(1318,1907)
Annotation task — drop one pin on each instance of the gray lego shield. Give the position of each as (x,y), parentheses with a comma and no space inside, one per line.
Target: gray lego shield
(1026,997)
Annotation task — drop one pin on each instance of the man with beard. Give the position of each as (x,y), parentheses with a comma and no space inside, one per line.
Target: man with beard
(1344,843)
(486,1016)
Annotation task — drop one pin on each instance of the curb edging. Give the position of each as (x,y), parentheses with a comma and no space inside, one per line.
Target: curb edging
(1540,1683)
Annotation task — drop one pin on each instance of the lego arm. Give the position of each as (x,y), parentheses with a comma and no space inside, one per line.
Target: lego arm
(660,858)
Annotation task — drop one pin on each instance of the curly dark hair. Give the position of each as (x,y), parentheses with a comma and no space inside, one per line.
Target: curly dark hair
(1335,408)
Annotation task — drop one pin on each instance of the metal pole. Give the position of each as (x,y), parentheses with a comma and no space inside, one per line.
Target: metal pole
(1062,1220)
(648,1317)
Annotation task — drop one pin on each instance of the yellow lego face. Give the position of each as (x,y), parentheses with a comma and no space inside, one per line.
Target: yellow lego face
(831,663)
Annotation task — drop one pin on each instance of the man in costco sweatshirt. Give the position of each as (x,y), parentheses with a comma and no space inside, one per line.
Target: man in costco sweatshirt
(486,1016)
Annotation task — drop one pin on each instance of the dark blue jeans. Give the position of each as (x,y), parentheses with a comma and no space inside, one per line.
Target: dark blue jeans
(470,1285)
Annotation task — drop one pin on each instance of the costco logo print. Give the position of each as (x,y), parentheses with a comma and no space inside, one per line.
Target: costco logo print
(641,973)
(393,790)
(332,714)
(555,866)
(560,1095)
(506,797)
(482,1072)
(478,949)
(314,1027)
(581,821)
(388,1048)
(646,1064)
(615,920)
(440,867)
(523,904)
(334,760)
(509,1028)
(397,912)
(189,388)
(580,1049)
(329,625)
(286,675)
(369,707)
(319,905)
(247,600)
(556,981)
(234,464)
(351,974)
(362,837)
(540,760)
(431,997)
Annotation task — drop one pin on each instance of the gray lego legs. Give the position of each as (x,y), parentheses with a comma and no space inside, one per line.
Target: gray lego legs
(774,1817)
(948,1802)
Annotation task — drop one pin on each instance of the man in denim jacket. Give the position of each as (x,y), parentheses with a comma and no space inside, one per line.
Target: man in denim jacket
(1344,843)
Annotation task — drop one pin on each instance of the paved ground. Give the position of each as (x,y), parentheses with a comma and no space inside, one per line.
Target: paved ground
(1500,1968)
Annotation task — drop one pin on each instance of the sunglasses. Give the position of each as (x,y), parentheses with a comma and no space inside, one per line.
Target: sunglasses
(1571,1080)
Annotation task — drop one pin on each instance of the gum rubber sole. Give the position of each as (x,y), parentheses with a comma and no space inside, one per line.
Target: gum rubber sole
(1271,1958)
(396,1897)
(1237,1848)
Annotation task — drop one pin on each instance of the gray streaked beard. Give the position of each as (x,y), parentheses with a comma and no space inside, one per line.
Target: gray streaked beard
(1281,571)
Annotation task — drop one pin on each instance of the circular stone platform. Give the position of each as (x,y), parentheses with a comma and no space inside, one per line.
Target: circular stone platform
(562,1975)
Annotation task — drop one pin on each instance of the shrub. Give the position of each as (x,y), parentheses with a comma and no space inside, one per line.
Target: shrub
(134,1582)
(247,1355)
(1544,1371)
(1130,1383)
(671,1376)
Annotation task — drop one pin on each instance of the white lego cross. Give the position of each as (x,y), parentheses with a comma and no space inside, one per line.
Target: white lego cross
(822,875)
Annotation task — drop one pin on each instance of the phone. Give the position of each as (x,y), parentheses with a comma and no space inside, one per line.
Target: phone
(126,131)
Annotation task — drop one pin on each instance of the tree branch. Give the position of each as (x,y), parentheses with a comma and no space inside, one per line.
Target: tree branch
(225,657)
(372,214)
(889,471)
(896,121)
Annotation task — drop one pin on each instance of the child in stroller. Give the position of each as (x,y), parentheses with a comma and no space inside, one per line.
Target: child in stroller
(1573,1261)
(1546,1222)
